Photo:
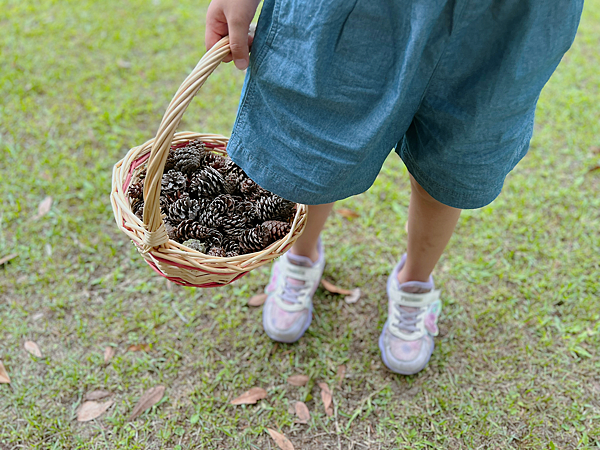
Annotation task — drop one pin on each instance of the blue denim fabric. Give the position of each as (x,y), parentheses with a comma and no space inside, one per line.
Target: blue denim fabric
(333,86)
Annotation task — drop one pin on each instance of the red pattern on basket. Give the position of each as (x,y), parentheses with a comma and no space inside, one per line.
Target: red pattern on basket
(185,283)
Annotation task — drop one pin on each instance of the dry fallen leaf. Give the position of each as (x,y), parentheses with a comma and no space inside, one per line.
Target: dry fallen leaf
(139,348)
(347,213)
(109,352)
(7,258)
(33,348)
(334,289)
(282,442)
(44,208)
(354,297)
(97,395)
(341,373)
(257,299)
(150,398)
(4,378)
(327,398)
(298,380)
(250,397)
(302,412)
(91,410)
(594,168)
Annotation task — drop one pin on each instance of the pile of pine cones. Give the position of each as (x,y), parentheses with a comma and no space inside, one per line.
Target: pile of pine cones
(210,205)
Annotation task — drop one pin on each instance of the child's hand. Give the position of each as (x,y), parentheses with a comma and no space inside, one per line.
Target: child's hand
(231,17)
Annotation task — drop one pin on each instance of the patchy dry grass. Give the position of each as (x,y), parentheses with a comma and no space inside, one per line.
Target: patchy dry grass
(517,362)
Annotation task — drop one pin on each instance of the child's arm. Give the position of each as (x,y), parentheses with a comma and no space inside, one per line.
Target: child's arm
(231,17)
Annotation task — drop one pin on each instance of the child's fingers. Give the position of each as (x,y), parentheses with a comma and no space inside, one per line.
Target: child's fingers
(238,41)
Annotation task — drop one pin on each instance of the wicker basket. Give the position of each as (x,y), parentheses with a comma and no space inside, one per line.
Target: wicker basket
(170,259)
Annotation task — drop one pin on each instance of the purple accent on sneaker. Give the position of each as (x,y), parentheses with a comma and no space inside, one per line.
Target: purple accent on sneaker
(413,287)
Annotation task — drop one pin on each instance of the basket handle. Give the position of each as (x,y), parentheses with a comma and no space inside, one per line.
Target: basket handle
(155,233)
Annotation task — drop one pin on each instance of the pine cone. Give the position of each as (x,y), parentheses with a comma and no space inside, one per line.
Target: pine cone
(138,208)
(173,182)
(190,158)
(276,230)
(136,190)
(170,162)
(190,229)
(215,161)
(234,225)
(231,183)
(231,246)
(182,209)
(223,205)
(253,240)
(248,187)
(195,244)
(206,183)
(217,251)
(273,208)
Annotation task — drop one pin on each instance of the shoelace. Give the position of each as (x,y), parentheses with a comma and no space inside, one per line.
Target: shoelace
(293,288)
(407,320)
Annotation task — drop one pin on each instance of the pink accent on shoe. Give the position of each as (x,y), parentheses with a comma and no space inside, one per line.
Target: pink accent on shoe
(405,350)
(273,283)
(430,324)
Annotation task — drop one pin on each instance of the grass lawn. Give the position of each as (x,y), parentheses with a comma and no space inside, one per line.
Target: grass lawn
(517,363)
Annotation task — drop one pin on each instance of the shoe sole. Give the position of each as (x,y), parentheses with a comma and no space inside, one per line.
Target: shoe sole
(385,361)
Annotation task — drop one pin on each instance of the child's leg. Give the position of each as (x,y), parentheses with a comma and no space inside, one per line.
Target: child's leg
(430,227)
(287,312)
(406,341)
(306,245)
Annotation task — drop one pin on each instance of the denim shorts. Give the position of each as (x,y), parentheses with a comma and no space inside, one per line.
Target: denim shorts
(333,86)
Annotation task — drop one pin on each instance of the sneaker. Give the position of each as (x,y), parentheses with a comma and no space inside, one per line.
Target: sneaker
(287,312)
(406,342)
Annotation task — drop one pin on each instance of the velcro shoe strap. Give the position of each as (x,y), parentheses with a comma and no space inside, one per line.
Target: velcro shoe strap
(309,275)
(399,297)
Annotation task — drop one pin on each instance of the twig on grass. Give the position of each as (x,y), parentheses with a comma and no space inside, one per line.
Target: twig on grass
(183,319)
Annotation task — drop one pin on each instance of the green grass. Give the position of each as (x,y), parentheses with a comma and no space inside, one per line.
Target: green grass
(517,363)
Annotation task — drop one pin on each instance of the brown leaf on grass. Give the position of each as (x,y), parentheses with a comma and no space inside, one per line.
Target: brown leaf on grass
(33,348)
(97,395)
(594,168)
(330,287)
(4,378)
(327,398)
(302,412)
(596,150)
(139,348)
(282,442)
(91,410)
(341,373)
(150,398)
(109,352)
(352,295)
(43,208)
(7,258)
(347,213)
(250,397)
(298,380)
(257,300)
